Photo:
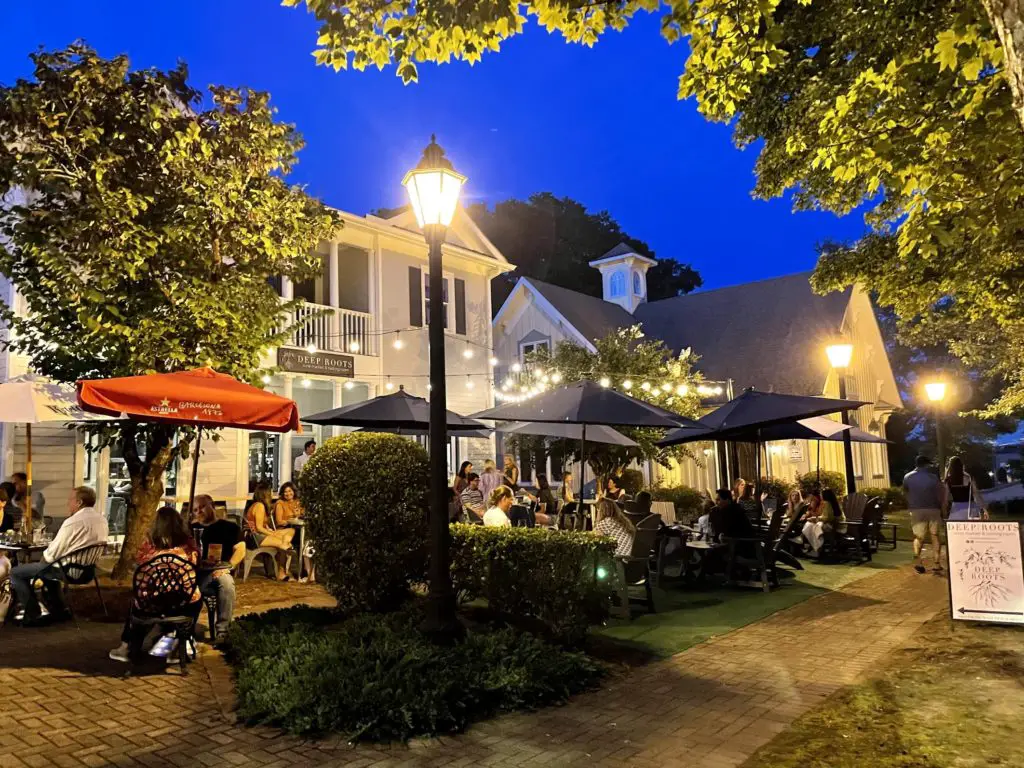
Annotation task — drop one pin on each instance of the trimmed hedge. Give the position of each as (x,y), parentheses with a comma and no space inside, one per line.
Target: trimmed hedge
(375,677)
(834,480)
(894,497)
(689,502)
(365,501)
(533,573)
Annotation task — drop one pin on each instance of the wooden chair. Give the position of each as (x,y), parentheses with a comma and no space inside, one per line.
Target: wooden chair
(762,561)
(862,535)
(635,569)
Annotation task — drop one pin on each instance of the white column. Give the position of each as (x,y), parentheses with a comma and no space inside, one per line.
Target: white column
(285,458)
(287,289)
(338,402)
(333,290)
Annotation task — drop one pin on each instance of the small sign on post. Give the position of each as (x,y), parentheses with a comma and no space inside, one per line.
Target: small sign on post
(796,450)
(986,571)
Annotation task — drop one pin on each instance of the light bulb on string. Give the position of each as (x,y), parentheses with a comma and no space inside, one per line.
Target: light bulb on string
(493,361)
(469,382)
(353,346)
(516,367)
(666,387)
(627,385)
(556,377)
(605,381)
(349,385)
(682,390)
(306,383)
(266,378)
(467,352)
(311,348)
(388,385)
(398,343)
(646,386)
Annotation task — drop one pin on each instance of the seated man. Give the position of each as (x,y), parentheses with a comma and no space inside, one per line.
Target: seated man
(84,526)
(221,542)
(729,520)
(473,499)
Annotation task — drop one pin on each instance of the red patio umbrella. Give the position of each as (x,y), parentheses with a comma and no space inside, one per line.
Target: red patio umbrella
(200,398)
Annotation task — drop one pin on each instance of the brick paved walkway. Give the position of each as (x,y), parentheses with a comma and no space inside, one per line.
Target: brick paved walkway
(65,704)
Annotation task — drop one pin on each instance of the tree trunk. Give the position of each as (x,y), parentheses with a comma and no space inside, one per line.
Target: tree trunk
(1008,23)
(147,487)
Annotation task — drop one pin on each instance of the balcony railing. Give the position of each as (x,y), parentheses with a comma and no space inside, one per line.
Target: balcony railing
(333,329)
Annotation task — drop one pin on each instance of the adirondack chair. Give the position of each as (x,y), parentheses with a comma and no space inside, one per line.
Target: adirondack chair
(862,535)
(784,546)
(761,562)
(635,570)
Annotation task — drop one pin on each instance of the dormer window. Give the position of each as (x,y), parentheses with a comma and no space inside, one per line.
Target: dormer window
(638,286)
(617,284)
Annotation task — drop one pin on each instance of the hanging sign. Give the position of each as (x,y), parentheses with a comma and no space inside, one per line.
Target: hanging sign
(986,571)
(317,363)
(796,450)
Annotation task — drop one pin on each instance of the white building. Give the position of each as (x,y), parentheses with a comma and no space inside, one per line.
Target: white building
(769,334)
(361,333)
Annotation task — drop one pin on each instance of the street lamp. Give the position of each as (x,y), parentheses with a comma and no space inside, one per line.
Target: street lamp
(839,356)
(433,187)
(936,393)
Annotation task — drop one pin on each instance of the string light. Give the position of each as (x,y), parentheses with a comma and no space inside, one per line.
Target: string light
(682,390)
(666,387)
(349,385)
(353,346)
(311,348)
(556,377)
(398,343)
(467,352)
(516,367)
(627,385)
(646,386)
(306,382)
(389,386)
(493,361)
(266,378)
(469,383)
(605,381)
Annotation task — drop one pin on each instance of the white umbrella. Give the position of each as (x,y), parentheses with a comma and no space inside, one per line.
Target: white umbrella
(596,433)
(32,399)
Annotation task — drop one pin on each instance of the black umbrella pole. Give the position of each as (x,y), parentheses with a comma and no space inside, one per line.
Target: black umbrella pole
(440,623)
(195,473)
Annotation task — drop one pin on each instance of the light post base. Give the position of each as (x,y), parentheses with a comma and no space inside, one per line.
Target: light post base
(441,625)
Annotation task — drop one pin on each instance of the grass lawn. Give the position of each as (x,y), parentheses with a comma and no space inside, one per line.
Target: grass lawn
(688,616)
(953,700)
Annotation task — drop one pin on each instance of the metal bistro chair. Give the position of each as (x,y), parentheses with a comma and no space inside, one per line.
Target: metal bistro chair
(77,568)
(162,592)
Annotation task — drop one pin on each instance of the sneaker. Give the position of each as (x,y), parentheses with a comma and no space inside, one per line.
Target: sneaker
(165,646)
(919,568)
(120,653)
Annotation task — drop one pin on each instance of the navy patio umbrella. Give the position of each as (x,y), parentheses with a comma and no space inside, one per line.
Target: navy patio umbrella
(588,403)
(398,412)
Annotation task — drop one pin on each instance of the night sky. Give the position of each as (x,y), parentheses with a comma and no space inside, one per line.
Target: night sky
(600,125)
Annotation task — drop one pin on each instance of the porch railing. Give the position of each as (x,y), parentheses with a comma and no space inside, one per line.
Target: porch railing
(333,329)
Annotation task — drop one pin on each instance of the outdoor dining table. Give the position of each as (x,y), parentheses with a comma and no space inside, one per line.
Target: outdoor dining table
(27,550)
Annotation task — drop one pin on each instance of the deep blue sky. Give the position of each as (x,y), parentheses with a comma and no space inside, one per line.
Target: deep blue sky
(601,125)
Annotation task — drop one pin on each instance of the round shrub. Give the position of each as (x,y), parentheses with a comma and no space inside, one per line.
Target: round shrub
(365,496)
(834,480)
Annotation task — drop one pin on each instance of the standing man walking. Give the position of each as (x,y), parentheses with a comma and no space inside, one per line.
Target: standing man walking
(926,498)
(300,461)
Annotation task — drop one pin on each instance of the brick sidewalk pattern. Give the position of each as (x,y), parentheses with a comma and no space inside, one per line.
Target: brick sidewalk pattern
(712,706)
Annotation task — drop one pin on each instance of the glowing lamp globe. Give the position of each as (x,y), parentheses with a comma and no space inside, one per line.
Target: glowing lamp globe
(936,391)
(839,354)
(433,187)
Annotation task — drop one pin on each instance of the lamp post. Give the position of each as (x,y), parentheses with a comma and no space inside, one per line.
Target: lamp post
(433,187)
(839,356)
(936,393)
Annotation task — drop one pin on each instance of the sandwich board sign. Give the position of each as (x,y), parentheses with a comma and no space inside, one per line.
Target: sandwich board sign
(986,571)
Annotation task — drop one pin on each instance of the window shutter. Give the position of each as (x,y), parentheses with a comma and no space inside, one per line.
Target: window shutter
(460,306)
(415,297)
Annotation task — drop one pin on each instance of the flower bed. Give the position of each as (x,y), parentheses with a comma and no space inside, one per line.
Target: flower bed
(375,677)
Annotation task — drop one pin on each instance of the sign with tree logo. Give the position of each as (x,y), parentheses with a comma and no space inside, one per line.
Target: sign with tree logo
(986,572)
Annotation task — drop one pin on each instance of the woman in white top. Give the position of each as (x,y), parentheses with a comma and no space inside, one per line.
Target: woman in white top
(967,502)
(500,503)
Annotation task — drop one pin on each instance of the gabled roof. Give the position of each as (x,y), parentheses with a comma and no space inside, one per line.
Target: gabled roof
(463,232)
(619,250)
(591,316)
(769,334)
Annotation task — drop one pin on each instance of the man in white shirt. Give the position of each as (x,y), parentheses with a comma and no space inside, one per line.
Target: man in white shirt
(300,461)
(84,526)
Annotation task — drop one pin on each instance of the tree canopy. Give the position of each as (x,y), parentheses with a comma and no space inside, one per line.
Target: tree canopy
(627,361)
(141,228)
(910,108)
(555,238)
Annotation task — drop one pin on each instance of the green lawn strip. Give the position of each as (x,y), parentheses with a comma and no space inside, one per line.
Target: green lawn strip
(954,700)
(687,617)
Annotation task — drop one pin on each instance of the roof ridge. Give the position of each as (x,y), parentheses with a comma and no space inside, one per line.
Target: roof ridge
(747,284)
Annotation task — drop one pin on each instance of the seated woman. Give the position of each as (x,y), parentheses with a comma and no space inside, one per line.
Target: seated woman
(169,536)
(500,503)
(614,491)
(796,505)
(824,514)
(611,521)
(259,525)
(546,496)
(287,507)
(750,506)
